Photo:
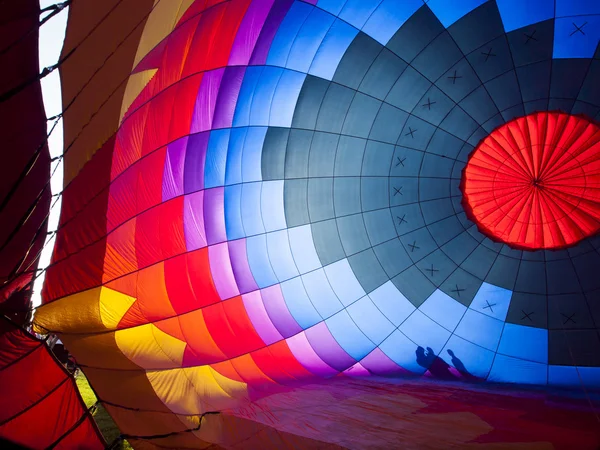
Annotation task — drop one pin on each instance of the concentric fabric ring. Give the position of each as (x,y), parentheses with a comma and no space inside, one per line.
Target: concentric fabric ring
(284,201)
(533,182)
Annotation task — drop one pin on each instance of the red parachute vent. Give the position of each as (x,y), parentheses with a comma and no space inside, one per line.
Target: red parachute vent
(534,182)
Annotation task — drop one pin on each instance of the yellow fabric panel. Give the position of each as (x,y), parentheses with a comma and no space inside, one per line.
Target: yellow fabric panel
(160,23)
(150,348)
(113,306)
(97,350)
(135,84)
(195,390)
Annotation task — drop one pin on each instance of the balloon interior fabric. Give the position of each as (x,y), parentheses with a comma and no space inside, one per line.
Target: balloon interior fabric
(281,205)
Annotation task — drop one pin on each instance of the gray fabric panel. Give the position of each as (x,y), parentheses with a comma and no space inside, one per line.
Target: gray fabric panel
(418,244)
(322,154)
(407,218)
(459,124)
(491,59)
(436,210)
(434,106)
(480,262)
(403,190)
(514,112)
(477,27)
(587,270)
(392,257)
(378,159)
(334,108)
(504,272)
(368,271)
(414,35)
(568,76)
(438,57)
(374,193)
(535,106)
(382,75)
(531,277)
(445,232)
(562,278)
(479,105)
(296,157)
(535,80)
(327,242)
(461,286)
(349,156)
(459,80)
(320,199)
(436,166)
(380,226)
(295,202)
(406,162)
(444,144)
(356,61)
(433,188)
(388,124)
(528,309)
(408,90)
(273,153)
(505,90)
(361,116)
(537,47)
(353,234)
(346,196)
(309,101)
(590,89)
(574,347)
(416,133)
(414,285)
(436,267)
(493,123)
(568,312)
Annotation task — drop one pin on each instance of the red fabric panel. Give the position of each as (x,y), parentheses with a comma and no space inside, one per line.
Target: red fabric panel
(39,400)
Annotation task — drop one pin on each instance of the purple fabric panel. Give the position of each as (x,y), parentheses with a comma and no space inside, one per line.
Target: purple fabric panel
(214,215)
(249,31)
(327,347)
(174,165)
(206,100)
(306,356)
(260,319)
(228,96)
(357,370)
(241,268)
(378,363)
(195,158)
(278,312)
(276,16)
(193,221)
(220,269)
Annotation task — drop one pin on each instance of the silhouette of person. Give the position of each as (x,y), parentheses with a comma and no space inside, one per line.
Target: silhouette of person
(458,365)
(436,365)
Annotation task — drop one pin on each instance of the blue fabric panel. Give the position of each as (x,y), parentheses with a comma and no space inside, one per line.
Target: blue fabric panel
(280,255)
(251,217)
(262,100)
(233,212)
(574,376)
(370,320)
(492,301)
(303,248)
(289,28)
(450,12)
(309,40)
(425,332)
(258,259)
(332,49)
(571,43)
(233,169)
(577,7)
(389,16)
(356,12)
(518,13)
(402,351)
(320,293)
(241,117)
(343,281)
(216,158)
(468,357)
(252,153)
(350,338)
(480,329)
(285,98)
(443,309)
(390,301)
(271,205)
(299,304)
(524,342)
(513,370)
(332,6)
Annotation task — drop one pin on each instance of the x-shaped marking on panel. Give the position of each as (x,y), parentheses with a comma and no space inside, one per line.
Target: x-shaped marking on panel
(411,132)
(578,29)
(488,54)
(568,318)
(401,220)
(400,161)
(428,104)
(527,315)
(489,305)
(413,246)
(457,290)
(454,77)
(530,37)
(398,191)
(432,270)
